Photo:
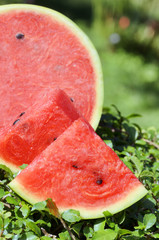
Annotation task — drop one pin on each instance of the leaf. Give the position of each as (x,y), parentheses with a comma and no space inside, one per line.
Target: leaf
(105,235)
(134,115)
(1,206)
(17,231)
(155,190)
(77,227)
(29,236)
(19,223)
(133,134)
(42,222)
(33,227)
(17,212)
(7,215)
(39,206)
(25,210)
(88,231)
(23,166)
(2,193)
(6,222)
(122,232)
(71,216)
(140,142)
(119,113)
(149,220)
(8,236)
(99,225)
(15,237)
(64,236)
(156,235)
(138,164)
(12,200)
(146,173)
(109,143)
(107,214)
(1,223)
(156,164)
(128,163)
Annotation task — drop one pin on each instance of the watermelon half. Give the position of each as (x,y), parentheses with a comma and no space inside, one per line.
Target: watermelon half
(41,49)
(33,130)
(79,171)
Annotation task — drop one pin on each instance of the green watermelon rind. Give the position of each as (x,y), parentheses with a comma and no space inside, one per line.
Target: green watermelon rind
(11,166)
(134,195)
(86,43)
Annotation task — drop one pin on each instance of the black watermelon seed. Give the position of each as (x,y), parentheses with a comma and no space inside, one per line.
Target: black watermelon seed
(19,35)
(75,166)
(55,139)
(71,99)
(22,114)
(99,181)
(16,121)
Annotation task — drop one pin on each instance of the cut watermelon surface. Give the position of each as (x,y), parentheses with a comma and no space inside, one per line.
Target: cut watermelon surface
(79,171)
(41,49)
(33,130)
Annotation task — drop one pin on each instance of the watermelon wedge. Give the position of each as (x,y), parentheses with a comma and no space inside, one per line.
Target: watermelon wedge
(33,130)
(41,49)
(79,171)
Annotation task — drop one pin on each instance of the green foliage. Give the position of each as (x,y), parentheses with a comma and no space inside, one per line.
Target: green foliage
(130,66)
(71,216)
(138,149)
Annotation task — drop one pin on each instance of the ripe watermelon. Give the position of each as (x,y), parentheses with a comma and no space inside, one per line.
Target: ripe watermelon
(79,171)
(36,128)
(40,48)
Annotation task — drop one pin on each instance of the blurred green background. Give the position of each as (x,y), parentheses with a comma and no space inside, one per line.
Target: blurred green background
(126,36)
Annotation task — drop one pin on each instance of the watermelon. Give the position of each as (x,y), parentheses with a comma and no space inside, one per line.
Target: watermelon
(33,130)
(41,49)
(79,171)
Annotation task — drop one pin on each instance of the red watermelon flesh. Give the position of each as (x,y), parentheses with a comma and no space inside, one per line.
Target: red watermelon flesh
(79,171)
(36,128)
(40,48)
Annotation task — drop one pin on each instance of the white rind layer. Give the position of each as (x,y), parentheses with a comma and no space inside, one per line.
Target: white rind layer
(132,197)
(11,166)
(83,39)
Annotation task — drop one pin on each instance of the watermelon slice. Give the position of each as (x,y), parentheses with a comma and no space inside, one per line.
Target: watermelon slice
(79,171)
(34,129)
(40,48)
